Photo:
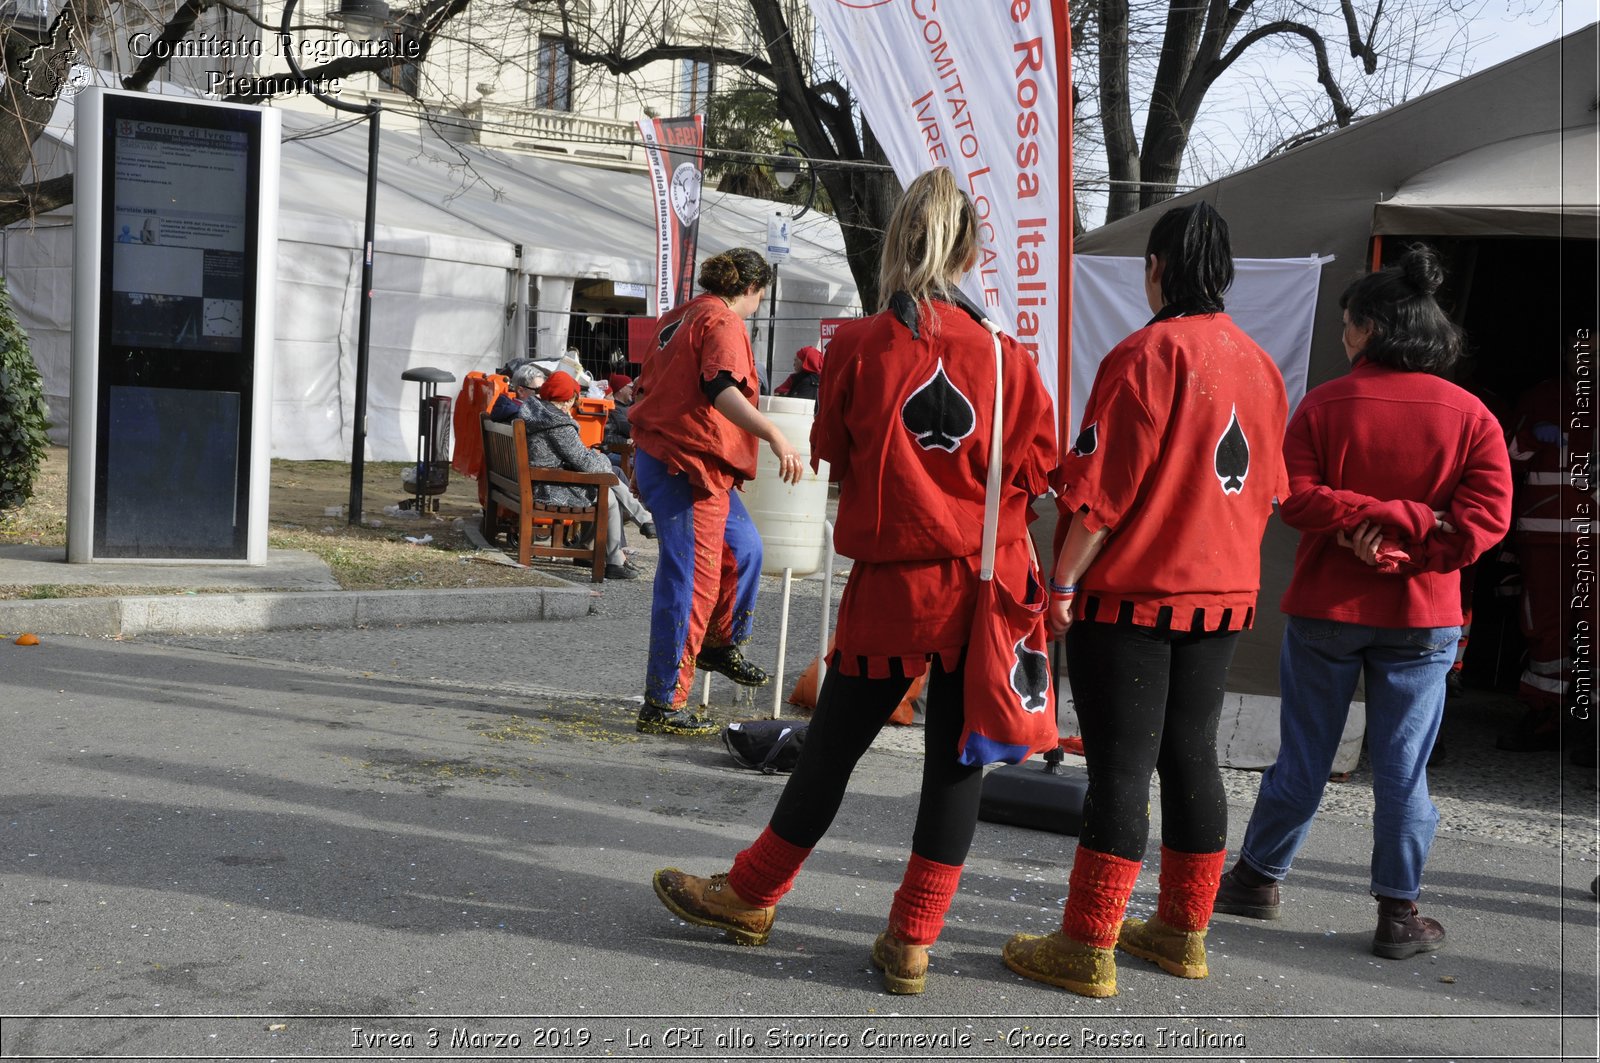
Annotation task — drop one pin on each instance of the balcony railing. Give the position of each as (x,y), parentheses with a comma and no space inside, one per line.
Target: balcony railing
(579,136)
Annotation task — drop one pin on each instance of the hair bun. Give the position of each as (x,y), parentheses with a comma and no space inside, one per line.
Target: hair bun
(1422,269)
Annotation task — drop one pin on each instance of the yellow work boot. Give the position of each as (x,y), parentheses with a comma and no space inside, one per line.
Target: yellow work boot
(712,902)
(1059,960)
(904,965)
(1179,952)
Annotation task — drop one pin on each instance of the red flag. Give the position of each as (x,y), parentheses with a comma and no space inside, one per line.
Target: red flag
(673,147)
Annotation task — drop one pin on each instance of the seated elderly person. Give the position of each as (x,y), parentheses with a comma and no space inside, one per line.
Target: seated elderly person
(553,443)
(618,429)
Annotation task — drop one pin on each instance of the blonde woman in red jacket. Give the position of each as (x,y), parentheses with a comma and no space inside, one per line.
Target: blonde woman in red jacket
(1397,480)
(904,422)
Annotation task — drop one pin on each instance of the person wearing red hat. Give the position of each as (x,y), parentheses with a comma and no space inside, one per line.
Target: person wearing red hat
(806,378)
(554,443)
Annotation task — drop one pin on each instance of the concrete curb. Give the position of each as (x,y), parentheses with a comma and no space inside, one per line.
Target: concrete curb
(224,614)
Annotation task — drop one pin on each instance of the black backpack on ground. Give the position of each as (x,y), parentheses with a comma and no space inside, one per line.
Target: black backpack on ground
(767,746)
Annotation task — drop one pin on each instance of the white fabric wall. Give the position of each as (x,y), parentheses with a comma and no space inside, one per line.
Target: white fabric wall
(554,306)
(37,262)
(437,301)
(1273,300)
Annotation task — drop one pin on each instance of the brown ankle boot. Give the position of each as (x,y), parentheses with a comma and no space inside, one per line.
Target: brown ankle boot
(904,965)
(1402,932)
(1178,952)
(712,902)
(1059,960)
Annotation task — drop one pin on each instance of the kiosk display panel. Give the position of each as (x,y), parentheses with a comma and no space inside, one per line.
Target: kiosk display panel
(178,369)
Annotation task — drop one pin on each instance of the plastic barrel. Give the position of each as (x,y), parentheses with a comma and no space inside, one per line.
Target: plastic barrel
(789,518)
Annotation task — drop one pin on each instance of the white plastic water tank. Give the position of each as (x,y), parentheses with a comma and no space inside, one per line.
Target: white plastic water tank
(789,518)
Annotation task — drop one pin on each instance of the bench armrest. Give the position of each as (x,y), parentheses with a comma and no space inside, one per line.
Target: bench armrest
(545,474)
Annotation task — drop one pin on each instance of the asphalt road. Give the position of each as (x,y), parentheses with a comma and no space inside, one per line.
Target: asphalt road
(437,841)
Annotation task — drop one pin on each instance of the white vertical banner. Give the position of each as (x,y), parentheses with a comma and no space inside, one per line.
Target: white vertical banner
(981,87)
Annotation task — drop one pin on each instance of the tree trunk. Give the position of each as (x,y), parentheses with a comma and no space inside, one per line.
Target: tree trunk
(1116,111)
(862,198)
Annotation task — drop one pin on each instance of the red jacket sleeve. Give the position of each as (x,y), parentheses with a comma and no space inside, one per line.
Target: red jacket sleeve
(1479,509)
(1030,443)
(1313,506)
(1105,482)
(830,429)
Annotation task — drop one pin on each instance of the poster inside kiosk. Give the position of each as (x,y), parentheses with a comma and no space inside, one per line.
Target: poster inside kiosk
(172,309)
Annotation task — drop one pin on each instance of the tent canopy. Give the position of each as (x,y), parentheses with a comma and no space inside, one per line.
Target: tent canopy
(1509,187)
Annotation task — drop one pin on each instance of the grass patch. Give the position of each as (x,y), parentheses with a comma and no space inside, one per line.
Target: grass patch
(306,512)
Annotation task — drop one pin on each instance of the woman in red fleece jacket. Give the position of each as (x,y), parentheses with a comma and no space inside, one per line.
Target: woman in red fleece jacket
(1397,480)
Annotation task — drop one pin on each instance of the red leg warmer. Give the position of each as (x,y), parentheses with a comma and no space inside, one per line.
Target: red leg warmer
(1097,895)
(763,873)
(917,914)
(1189,884)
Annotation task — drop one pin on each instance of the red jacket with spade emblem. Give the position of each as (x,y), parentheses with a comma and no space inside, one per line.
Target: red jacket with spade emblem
(903,421)
(1181,456)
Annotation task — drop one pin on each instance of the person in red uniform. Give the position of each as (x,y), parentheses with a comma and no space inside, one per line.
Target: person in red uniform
(903,419)
(1554,495)
(695,431)
(1163,500)
(1397,480)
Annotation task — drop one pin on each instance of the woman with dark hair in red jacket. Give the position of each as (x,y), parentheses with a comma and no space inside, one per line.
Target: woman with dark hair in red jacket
(1398,479)
(1163,501)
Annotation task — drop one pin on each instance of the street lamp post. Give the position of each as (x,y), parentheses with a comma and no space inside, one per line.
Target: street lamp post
(785,169)
(361,18)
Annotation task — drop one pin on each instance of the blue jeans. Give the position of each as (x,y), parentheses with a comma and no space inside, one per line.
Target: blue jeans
(1405,672)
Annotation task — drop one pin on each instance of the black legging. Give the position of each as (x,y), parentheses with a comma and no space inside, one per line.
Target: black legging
(850,712)
(1148,700)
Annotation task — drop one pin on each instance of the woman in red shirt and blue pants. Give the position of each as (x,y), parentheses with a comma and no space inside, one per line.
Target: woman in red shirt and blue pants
(1397,480)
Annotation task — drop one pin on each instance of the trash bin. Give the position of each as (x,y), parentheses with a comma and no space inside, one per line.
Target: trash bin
(429,477)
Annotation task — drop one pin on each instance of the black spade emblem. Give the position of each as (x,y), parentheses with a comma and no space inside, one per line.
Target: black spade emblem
(1088,441)
(1233,457)
(1030,677)
(937,414)
(666,334)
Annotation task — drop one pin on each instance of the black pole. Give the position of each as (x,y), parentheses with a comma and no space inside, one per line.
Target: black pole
(372,108)
(772,316)
(358,431)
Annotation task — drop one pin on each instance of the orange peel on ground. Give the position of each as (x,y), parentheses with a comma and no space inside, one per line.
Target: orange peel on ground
(27,638)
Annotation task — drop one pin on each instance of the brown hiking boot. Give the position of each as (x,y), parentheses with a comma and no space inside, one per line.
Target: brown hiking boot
(1178,952)
(904,965)
(1059,960)
(1252,902)
(712,902)
(1402,932)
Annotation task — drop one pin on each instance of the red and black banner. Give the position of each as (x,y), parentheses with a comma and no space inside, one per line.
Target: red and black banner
(673,147)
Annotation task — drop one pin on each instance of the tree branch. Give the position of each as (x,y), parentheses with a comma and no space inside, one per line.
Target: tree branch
(31,200)
(1342,114)
(176,29)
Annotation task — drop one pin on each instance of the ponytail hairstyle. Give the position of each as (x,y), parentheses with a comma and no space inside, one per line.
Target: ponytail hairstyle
(931,240)
(1196,258)
(734,272)
(1410,331)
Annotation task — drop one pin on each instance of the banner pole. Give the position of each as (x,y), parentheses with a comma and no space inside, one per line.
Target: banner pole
(772,317)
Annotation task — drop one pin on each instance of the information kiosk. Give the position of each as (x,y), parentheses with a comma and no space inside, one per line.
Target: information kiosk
(173,301)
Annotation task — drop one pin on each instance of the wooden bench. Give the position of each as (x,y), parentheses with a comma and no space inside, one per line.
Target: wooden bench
(510,483)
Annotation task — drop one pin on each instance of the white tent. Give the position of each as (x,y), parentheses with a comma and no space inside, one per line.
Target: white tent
(465,239)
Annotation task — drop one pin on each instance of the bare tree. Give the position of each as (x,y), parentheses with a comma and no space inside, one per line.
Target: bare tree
(1363,54)
(758,40)
(27,103)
